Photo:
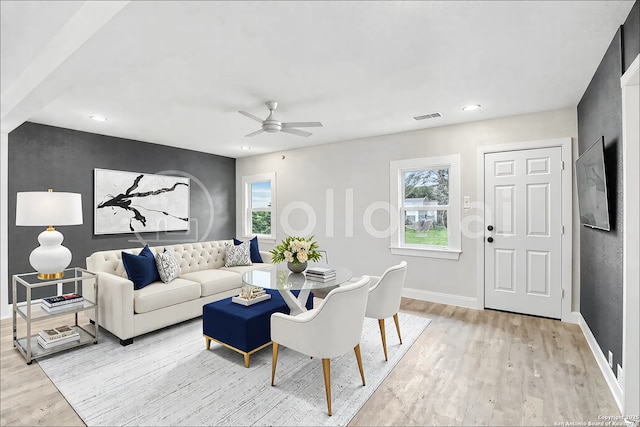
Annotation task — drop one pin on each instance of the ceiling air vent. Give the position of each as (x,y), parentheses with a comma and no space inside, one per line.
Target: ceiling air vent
(427,116)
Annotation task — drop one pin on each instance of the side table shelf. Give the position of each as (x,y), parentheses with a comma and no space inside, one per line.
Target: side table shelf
(31,311)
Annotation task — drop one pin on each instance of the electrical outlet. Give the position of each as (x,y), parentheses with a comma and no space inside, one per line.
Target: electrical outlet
(610,359)
(466,203)
(620,376)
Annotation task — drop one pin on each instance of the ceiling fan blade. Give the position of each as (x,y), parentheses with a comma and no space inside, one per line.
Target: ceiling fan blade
(255,133)
(296,132)
(302,125)
(251,116)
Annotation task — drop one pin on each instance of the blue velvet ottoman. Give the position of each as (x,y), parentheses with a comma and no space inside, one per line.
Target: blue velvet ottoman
(245,329)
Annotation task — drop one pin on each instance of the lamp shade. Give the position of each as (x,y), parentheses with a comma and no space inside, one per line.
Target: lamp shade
(48,208)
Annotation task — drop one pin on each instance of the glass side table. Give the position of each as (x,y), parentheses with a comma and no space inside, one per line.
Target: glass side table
(31,311)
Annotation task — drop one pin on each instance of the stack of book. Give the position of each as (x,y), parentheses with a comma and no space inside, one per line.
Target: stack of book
(49,338)
(62,302)
(321,274)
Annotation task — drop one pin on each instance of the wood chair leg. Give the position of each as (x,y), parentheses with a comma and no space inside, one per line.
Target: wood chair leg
(395,319)
(274,361)
(207,342)
(384,338)
(359,359)
(247,360)
(326,367)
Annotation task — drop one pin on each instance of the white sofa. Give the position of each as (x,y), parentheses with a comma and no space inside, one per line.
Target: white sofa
(127,313)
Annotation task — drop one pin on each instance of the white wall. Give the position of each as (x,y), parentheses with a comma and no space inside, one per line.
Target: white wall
(307,175)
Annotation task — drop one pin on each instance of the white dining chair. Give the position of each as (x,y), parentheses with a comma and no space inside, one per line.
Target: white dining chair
(385,293)
(330,330)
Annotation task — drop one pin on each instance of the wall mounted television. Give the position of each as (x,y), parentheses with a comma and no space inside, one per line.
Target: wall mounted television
(592,187)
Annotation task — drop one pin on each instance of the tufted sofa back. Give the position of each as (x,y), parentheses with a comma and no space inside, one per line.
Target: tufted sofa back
(193,257)
(199,255)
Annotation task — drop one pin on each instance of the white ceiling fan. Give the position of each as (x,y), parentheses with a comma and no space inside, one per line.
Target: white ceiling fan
(271,125)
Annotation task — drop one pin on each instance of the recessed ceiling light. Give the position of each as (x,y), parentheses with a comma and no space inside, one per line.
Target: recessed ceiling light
(98,118)
(471,107)
(244,147)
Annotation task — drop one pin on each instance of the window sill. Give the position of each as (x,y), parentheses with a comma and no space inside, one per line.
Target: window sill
(261,239)
(267,240)
(453,254)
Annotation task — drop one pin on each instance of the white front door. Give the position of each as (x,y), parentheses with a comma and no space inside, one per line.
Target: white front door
(523,234)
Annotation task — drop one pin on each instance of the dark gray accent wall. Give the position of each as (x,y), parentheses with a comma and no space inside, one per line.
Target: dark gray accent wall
(631,36)
(600,113)
(42,157)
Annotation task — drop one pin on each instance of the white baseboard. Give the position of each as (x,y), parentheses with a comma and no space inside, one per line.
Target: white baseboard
(608,374)
(440,298)
(574,317)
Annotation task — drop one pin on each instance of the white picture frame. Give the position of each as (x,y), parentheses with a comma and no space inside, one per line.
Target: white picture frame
(137,202)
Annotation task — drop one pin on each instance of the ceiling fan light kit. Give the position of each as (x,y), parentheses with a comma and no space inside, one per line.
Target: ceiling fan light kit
(272,125)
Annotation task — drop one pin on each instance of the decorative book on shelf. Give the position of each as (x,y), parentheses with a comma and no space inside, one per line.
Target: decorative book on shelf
(48,338)
(57,332)
(58,308)
(60,341)
(62,300)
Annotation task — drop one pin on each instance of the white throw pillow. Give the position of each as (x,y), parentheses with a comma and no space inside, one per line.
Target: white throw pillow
(237,255)
(168,266)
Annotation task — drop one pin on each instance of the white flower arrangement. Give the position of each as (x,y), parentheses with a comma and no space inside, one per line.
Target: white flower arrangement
(296,250)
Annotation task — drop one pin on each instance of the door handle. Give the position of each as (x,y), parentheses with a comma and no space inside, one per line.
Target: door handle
(490,239)
(490,228)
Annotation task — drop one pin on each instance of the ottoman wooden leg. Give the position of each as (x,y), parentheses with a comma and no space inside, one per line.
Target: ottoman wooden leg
(247,360)
(207,342)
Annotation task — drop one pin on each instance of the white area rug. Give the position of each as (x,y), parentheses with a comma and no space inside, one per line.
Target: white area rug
(169,378)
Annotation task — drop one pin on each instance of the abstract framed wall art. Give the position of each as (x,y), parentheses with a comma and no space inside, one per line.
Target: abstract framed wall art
(131,202)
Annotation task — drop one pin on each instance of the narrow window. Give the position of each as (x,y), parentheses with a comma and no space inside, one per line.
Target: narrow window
(259,205)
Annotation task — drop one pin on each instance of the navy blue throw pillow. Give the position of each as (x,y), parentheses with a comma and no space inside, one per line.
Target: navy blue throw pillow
(253,248)
(141,269)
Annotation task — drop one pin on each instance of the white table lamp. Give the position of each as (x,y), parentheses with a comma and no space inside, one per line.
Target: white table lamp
(49,208)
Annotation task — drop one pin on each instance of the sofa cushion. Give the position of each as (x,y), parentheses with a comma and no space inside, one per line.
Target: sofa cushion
(141,269)
(253,247)
(214,281)
(159,295)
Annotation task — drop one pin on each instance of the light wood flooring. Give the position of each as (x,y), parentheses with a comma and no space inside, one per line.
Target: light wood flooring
(469,367)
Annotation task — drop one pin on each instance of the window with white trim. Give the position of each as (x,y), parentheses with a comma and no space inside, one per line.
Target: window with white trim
(259,206)
(426,193)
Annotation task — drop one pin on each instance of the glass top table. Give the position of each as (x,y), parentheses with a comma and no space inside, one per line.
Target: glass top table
(277,276)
